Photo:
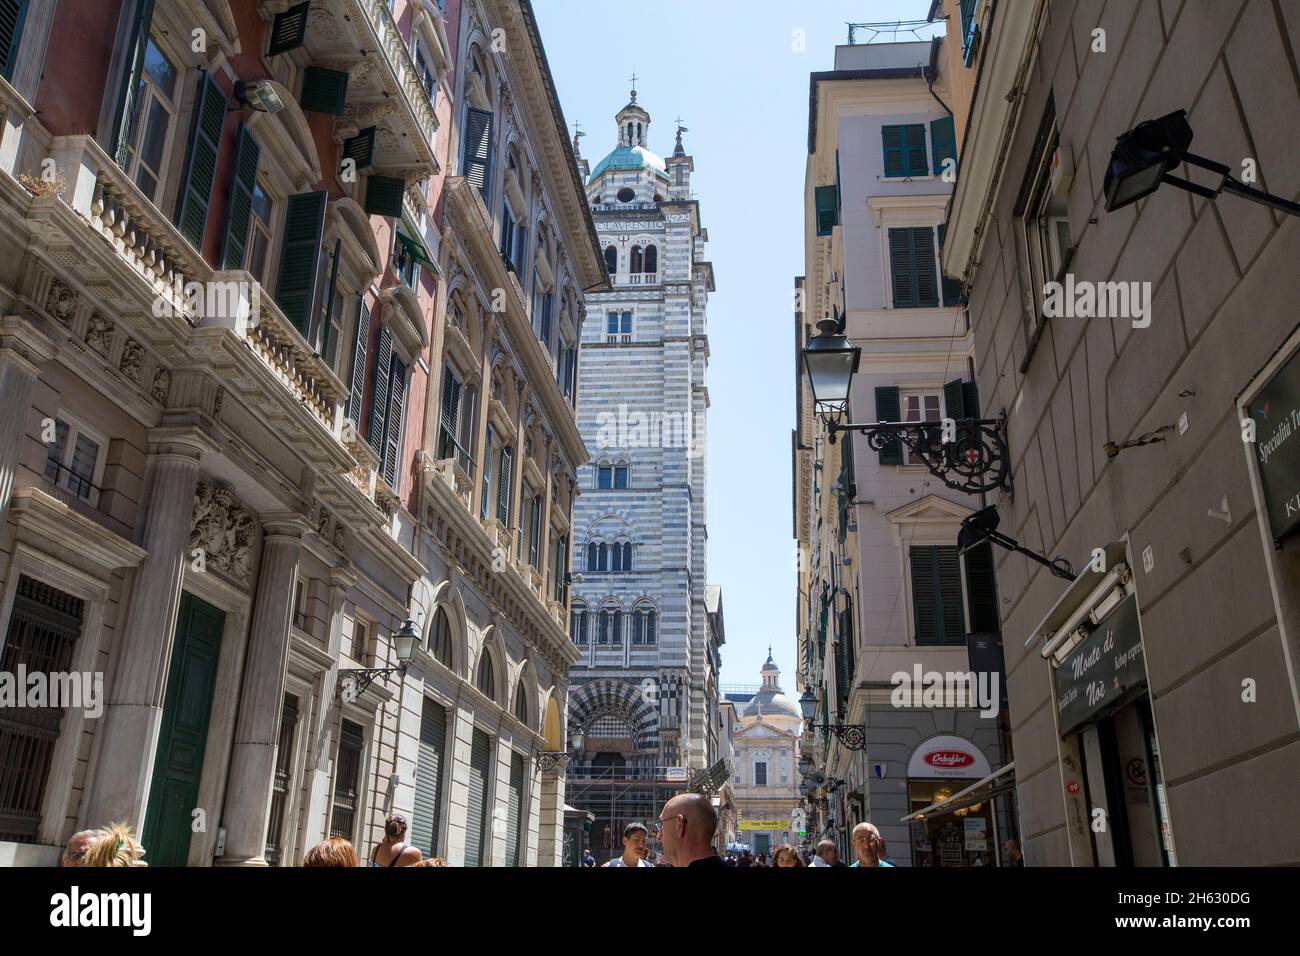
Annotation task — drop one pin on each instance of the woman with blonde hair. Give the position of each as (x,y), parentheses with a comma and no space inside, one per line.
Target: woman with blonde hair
(431,861)
(786,856)
(113,845)
(334,852)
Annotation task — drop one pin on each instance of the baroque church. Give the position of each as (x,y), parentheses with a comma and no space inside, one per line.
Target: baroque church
(644,693)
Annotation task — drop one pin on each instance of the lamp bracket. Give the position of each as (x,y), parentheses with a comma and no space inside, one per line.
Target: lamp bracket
(365,676)
(975,461)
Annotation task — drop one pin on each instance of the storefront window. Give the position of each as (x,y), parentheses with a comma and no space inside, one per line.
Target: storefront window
(965,837)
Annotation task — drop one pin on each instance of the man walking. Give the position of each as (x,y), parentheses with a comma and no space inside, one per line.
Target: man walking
(635,838)
(687,827)
(869,846)
(828,854)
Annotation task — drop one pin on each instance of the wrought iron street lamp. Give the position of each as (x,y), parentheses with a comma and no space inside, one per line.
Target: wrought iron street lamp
(983,526)
(974,457)
(552,760)
(1144,157)
(851,736)
(353,681)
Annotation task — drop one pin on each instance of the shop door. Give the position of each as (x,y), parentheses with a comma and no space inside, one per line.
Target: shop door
(762,843)
(178,764)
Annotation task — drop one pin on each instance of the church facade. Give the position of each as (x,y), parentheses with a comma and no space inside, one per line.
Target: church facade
(645,688)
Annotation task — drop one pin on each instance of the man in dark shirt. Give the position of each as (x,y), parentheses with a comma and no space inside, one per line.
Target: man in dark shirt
(687,827)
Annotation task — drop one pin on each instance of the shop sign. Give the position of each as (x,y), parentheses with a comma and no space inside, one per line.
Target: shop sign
(764,825)
(947,756)
(1276,414)
(675,773)
(976,834)
(1103,670)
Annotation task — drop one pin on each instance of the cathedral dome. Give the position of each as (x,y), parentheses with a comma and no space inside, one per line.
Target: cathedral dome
(631,157)
(770,701)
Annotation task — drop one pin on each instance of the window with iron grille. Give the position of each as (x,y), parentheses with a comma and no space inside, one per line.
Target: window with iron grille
(281,780)
(43,628)
(347,782)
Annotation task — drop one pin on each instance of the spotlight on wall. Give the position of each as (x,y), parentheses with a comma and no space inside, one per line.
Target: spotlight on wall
(260,96)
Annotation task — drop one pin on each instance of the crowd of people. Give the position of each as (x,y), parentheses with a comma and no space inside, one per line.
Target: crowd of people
(685,830)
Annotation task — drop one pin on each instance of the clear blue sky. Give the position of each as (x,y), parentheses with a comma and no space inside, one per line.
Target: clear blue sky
(729,69)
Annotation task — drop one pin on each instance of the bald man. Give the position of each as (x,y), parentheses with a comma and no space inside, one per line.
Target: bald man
(687,827)
(869,846)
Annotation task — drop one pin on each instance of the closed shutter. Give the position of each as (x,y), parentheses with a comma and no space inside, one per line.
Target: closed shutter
(826,199)
(503,487)
(396,419)
(902,272)
(514,810)
(485,506)
(954,400)
(379,390)
(936,595)
(247,155)
(848,487)
(476,165)
(357,393)
(961,401)
(889,409)
(844,658)
(360,149)
(12,14)
(295,288)
(926,265)
(476,816)
(916,165)
(952,294)
(895,156)
(943,142)
(426,821)
(384,195)
(323,91)
(535,531)
(201,163)
(289,29)
(129,90)
(981,588)
(450,415)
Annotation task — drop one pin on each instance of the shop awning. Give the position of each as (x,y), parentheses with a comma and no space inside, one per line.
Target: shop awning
(999,782)
(416,250)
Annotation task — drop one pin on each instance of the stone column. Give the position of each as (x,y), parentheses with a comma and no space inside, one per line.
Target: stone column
(23,350)
(252,761)
(550,812)
(127,736)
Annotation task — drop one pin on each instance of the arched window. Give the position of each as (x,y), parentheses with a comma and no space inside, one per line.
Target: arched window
(618,627)
(643,625)
(618,557)
(487,678)
(440,638)
(637,632)
(650,626)
(627,555)
(637,261)
(521,703)
(602,562)
(602,635)
(652,259)
(611,259)
(620,475)
(591,556)
(578,624)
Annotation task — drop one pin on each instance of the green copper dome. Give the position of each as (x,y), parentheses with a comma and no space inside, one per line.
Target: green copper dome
(631,157)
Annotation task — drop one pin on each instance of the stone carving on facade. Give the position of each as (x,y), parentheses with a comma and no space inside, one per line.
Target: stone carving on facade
(340,536)
(323,523)
(60,301)
(162,386)
(99,335)
(224,530)
(321,23)
(132,364)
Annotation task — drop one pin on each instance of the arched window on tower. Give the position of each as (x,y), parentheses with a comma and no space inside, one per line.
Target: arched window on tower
(579,621)
(652,259)
(602,557)
(602,632)
(440,637)
(591,556)
(611,259)
(618,627)
(637,261)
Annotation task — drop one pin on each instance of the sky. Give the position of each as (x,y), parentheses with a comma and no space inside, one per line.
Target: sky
(734,73)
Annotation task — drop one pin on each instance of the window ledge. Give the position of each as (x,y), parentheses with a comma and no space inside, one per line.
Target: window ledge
(408,326)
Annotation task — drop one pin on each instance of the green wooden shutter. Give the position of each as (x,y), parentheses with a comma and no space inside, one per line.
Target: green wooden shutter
(129,91)
(485,506)
(449,415)
(950,595)
(916,159)
(289,29)
(844,657)
(476,817)
(828,215)
(379,390)
(970,31)
(426,820)
(954,400)
(476,165)
(535,531)
(848,488)
(981,590)
(357,393)
(925,591)
(295,289)
(201,163)
(971,399)
(895,155)
(889,408)
(323,91)
(926,268)
(247,155)
(503,486)
(12,15)
(514,810)
(360,149)
(384,195)
(943,142)
(902,272)
(396,419)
